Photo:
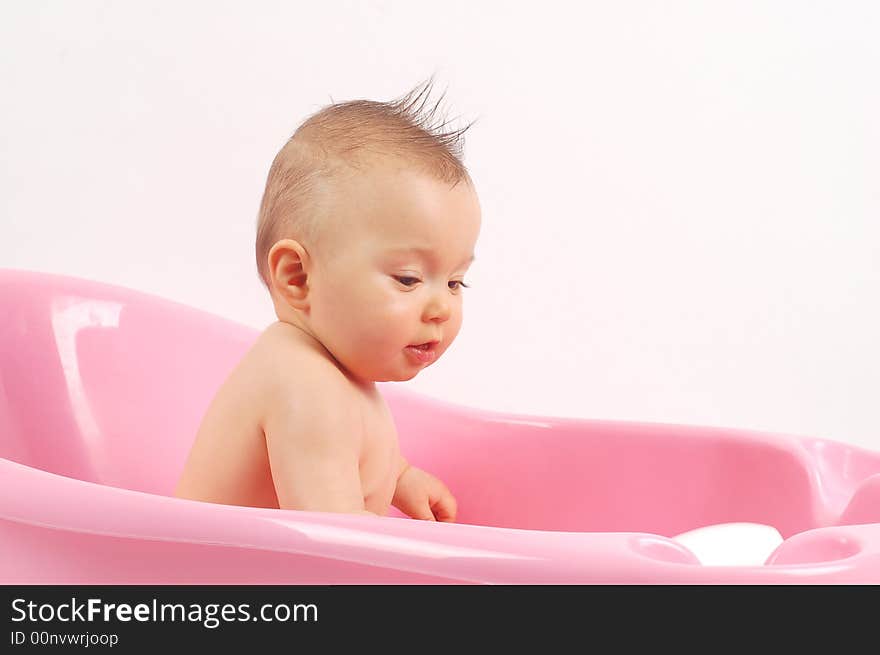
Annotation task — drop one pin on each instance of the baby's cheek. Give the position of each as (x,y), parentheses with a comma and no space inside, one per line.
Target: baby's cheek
(397,312)
(400,301)
(385,328)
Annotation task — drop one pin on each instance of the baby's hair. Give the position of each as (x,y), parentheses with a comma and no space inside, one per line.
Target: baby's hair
(339,140)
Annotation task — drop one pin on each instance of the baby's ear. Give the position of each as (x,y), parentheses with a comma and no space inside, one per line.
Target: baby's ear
(288,272)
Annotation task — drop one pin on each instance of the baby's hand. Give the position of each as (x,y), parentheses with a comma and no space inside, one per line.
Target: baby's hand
(422,496)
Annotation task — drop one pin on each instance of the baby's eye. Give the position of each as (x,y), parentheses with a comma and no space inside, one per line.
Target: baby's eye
(460,283)
(407,281)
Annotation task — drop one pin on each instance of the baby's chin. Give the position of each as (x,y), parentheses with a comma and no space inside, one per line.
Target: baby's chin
(382,376)
(397,378)
(390,374)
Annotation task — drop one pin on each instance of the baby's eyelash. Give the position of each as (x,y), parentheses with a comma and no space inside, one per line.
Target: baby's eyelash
(404,278)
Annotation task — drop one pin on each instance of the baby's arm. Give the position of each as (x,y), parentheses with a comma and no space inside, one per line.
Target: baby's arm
(422,496)
(313,437)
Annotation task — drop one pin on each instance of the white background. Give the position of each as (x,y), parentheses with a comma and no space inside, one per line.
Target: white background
(680,199)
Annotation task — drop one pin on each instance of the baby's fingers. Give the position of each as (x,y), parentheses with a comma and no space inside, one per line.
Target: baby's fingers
(422,511)
(445,509)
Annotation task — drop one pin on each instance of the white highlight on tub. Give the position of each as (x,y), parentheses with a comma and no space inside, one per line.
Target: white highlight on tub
(731,544)
(70,315)
(386,544)
(516,421)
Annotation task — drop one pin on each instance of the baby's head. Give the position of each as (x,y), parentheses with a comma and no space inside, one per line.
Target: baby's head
(367,226)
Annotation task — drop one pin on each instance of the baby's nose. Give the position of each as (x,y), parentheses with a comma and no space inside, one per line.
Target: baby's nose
(437,310)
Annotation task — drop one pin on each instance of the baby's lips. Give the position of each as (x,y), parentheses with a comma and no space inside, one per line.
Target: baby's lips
(425,354)
(430,344)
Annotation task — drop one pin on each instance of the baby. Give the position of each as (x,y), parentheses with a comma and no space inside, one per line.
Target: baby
(366,228)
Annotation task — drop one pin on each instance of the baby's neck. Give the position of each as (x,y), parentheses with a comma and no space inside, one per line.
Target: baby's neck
(303,334)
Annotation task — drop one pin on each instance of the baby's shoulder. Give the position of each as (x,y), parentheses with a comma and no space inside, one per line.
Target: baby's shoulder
(305,398)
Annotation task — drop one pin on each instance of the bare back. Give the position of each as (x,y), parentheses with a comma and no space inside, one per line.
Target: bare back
(229,461)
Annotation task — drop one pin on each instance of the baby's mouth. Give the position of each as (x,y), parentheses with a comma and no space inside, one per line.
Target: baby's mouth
(428,345)
(423,353)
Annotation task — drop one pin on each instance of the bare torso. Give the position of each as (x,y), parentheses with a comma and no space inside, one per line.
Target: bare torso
(229,461)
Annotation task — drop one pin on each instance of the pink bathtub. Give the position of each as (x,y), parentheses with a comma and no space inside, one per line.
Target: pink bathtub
(102,390)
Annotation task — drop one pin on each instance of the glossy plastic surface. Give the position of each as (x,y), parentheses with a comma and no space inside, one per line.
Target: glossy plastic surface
(102,390)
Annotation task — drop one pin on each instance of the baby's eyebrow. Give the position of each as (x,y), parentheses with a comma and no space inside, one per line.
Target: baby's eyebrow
(426,252)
